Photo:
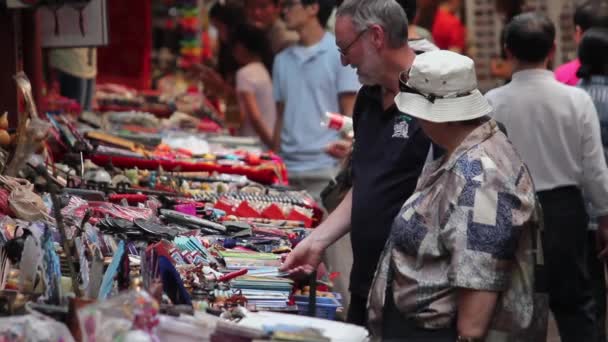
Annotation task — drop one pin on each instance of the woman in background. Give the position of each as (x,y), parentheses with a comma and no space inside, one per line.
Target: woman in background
(593,75)
(449,33)
(593,54)
(224,17)
(253,55)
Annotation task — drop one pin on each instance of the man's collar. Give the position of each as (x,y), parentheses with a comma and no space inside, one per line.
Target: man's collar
(529,74)
(326,43)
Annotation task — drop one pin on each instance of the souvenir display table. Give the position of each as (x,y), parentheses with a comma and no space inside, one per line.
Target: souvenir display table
(123,226)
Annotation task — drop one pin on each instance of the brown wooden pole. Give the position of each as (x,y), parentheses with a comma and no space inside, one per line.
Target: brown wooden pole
(9,63)
(32,52)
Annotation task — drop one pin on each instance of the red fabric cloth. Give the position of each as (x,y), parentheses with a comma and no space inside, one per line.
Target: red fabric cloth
(271,174)
(126,59)
(448,31)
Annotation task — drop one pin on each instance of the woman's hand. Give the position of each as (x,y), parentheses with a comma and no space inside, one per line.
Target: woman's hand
(212,79)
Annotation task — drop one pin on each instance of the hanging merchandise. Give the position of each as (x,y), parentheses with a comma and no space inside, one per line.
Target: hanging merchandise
(73,23)
(191,28)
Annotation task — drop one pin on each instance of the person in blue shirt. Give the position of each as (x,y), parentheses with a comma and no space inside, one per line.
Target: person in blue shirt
(309,80)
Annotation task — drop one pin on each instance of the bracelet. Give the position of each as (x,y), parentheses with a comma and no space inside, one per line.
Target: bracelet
(469,339)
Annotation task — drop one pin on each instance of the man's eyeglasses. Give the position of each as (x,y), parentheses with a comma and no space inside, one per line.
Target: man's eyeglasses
(344,51)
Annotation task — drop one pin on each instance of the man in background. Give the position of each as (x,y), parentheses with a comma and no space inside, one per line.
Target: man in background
(265,15)
(556,130)
(308,81)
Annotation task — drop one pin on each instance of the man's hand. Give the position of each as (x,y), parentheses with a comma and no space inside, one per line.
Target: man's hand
(306,256)
(304,259)
(339,149)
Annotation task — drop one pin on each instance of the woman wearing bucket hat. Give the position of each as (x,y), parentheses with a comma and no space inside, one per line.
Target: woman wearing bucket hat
(458,265)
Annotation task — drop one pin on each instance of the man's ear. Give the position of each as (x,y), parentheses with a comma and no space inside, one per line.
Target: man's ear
(314,9)
(378,35)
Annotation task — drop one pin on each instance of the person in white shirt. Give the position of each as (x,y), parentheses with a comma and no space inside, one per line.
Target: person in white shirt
(253,82)
(556,130)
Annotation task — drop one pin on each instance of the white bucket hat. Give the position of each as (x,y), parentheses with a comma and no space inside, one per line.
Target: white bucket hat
(441,87)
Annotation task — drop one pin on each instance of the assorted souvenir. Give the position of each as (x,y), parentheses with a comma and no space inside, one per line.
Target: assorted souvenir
(118,229)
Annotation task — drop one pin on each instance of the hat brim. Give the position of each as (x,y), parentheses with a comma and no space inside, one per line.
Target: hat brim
(463,108)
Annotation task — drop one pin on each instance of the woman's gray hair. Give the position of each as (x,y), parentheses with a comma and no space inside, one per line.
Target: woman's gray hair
(386,13)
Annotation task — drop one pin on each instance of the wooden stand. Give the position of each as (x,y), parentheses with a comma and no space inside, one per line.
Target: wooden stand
(20,37)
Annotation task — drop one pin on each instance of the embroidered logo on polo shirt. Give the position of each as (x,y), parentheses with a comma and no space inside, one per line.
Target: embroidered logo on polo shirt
(402,127)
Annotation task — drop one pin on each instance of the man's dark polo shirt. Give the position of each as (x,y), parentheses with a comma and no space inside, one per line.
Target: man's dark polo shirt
(389,152)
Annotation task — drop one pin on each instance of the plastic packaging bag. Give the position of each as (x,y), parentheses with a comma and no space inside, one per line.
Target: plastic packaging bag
(33,328)
(121,317)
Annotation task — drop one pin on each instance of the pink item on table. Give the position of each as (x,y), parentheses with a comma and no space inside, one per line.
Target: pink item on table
(189,209)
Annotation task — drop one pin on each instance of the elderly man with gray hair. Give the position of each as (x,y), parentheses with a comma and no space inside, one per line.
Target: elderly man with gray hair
(389,150)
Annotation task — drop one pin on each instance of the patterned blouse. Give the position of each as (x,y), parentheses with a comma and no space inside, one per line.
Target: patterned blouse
(469,224)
